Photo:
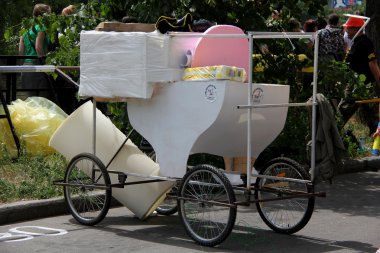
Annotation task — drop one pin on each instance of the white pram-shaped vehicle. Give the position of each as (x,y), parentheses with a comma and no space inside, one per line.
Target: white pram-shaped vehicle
(180,118)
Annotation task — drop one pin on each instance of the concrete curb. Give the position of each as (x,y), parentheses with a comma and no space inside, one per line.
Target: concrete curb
(36,209)
(371,163)
(32,209)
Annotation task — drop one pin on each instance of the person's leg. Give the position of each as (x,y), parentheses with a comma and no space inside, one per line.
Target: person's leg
(369,115)
(346,109)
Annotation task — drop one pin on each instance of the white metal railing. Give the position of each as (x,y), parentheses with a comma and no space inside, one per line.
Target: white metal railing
(250,106)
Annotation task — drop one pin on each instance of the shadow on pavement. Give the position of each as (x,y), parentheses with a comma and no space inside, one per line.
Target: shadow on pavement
(352,194)
(168,230)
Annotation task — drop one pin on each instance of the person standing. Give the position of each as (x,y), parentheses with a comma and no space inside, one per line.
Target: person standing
(35,42)
(310,26)
(298,45)
(347,41)
(361,58)
(331,42)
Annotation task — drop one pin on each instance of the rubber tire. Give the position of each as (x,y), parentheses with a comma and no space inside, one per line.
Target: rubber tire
(172,209)
(107,196)
(215,173)
(310,189)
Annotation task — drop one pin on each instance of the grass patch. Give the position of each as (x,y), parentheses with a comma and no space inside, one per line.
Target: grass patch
(29,178)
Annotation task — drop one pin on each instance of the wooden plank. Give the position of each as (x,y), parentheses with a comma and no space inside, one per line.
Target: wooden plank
(125,27)
(374,100)
(237,164)
(113,99)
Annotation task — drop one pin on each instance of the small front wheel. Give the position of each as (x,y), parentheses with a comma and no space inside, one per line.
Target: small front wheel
(169,205)
(287,214)
(207,206)
(87,189)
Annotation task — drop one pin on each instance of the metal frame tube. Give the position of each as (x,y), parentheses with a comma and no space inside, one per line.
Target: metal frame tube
(94,127)
(27,68)
(282,35)
(249,111)
(274,105)
(314,109)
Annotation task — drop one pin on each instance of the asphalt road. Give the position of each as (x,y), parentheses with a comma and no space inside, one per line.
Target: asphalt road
(347,220)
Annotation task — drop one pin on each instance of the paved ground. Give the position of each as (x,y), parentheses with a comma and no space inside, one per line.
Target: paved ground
(346,221)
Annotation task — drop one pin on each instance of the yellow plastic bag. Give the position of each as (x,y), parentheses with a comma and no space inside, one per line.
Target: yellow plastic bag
(8,146)
(35,121)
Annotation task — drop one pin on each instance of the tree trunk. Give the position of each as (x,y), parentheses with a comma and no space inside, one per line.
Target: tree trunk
(373,28)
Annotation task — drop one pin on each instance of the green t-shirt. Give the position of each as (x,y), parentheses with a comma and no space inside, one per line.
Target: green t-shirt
(30,47)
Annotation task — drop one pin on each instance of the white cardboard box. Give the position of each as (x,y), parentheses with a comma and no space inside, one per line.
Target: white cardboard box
(127,64)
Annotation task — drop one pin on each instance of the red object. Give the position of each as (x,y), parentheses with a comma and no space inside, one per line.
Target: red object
(354,22)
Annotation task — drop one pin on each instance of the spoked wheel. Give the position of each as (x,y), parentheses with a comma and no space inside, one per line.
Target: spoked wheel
(169,205)
(206,205)
(284,215)
(87,193)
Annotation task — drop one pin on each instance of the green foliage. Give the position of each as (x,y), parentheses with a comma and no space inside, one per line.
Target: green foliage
(119,115)
(65,32)
(249,15)
(11,12)
(335,80)
(335,77)
(282,66)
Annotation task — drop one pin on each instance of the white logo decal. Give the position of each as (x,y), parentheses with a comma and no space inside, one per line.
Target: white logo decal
(257,95)
(210,93)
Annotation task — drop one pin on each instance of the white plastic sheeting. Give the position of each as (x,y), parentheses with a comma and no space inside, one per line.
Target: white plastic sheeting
(127,64)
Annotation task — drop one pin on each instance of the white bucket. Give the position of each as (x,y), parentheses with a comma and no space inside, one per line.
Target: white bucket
(75,136)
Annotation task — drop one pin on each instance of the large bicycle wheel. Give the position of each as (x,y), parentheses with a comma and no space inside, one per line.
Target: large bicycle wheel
(206,205)
(87,192)
(286,215)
